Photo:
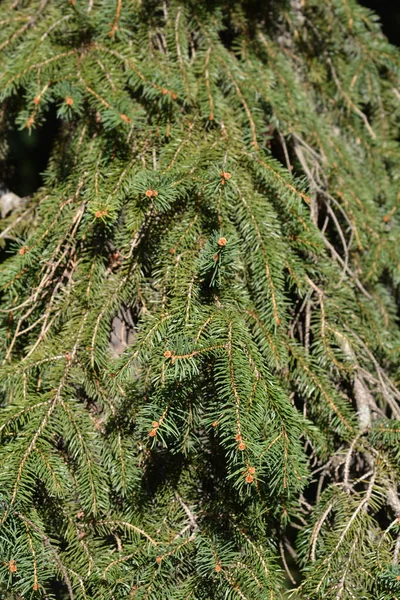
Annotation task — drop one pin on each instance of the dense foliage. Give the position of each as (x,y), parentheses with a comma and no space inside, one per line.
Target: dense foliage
(199,308)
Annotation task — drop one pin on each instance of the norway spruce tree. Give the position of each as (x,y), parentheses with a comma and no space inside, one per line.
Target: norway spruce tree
(200,341)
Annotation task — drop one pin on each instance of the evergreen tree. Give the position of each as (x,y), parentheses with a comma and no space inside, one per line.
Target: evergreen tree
(199,307)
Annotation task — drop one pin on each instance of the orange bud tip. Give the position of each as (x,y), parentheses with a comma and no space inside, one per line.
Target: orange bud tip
(242,446)
(249,479)
(218,568)
(214,423)
(222,242)
(164,92)
(251,470)
(155,424)
(29,122)
(174,96)
(69,101)
(152,432)
(125,118)
(158,559)
(386,218)
(36,100)
(35,586)
(167,354)
(149,193)
(211,118)
(23,250)
(238,437)
(12,566)
(172,251)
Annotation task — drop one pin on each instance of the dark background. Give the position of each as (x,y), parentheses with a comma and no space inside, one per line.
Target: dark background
(389,12)
(29,152)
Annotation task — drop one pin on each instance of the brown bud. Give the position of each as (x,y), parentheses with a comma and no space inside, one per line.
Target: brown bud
(155,424)
(12,567)
(214,423)
(35,586)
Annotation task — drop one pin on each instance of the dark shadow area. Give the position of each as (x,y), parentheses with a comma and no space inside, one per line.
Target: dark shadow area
(28,155)
(389,13)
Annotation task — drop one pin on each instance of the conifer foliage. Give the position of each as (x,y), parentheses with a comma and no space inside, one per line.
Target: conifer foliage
(199,308)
